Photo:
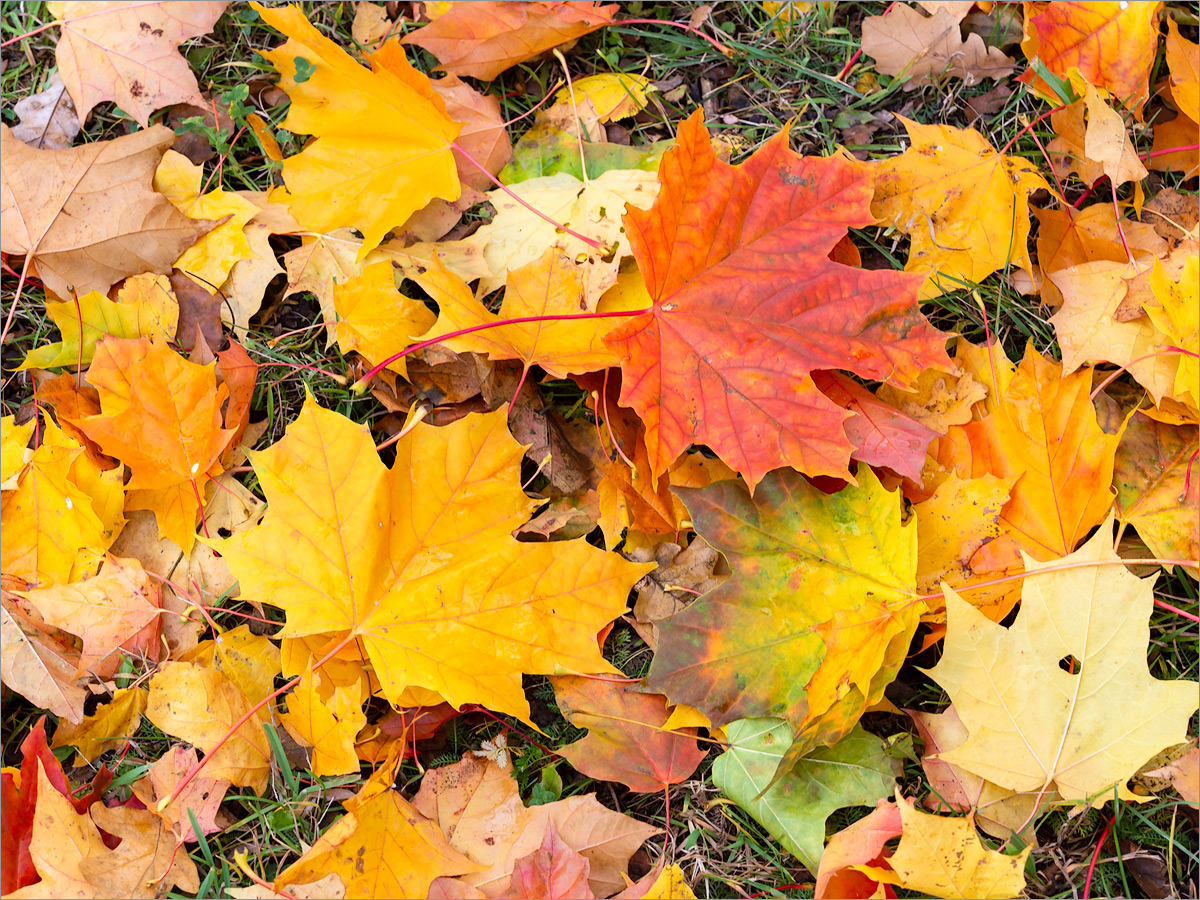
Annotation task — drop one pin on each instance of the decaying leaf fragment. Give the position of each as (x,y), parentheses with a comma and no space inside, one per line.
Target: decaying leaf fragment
(904,42)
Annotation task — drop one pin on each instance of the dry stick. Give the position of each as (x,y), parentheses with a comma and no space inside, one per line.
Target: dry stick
(246,717)
(360,386)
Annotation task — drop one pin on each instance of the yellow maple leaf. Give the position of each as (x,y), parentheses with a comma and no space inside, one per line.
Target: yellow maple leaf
(375,319)
(1177,315)
(961,516)
(14,439)
(1063,699)
(214,255)
(418,561)
(964,206)
(615,95)
(249,660)
(51,528)
(383,139)
(1106,141)
(106,728)
(944,857)
(200,704)
(550,285)
(328,724)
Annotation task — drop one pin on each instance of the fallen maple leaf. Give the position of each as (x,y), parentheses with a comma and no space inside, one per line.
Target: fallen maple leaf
(88,216)
(375,319)
(723,357)
(614,95)
(200,705)
(479,809)
(1177,315)
(383,139)
(1183,775)
(484,134)
(1066,150)
(328,721)
(925,48)
(760,645)
(1106,141)
(212,258)
(1089,331)
(62,839)
(518,236)
(146,860)
(48,120)
(998,811)
(960,517)
(483,40)
(201,798)
(406,851)
(1042,427)
(1067,238)
(859,845)
(126,52)
(38,665)
(162,418)
(550,285)
(964,206)
(117,609)
(554,870)
(1112,46)
(794,807)
(1155,478)
(944,857)
(626,740)
(145,307)
(1036,725)
(1183,60)
(426,564)
(14,439)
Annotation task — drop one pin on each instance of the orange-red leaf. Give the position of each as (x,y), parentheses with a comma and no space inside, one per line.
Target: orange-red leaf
(747,304)
(626,740)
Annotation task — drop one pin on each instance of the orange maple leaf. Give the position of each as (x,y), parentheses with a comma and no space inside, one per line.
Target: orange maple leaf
(747,304)
(483,39)
(162,418)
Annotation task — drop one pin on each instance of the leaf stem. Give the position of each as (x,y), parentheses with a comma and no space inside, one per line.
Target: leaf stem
(360,386)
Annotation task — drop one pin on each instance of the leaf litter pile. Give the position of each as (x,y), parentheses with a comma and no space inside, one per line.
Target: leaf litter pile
(409,492)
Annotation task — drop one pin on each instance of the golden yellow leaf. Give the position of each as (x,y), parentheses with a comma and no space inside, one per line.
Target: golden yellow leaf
(50,526)
(938,400)
(402,849)
(1183,58)
(550,285)
(614,95)
(418,561)
(14,439)
(249,660)
(383,139)
(964,206)
(960,517)
(107,728)
(199,704)
(327,724)
(944,857)
(375,319)
(213,256)
(1177,315)
(1063,698)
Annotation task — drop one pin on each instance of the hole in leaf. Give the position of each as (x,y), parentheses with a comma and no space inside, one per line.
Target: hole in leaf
(1070,664)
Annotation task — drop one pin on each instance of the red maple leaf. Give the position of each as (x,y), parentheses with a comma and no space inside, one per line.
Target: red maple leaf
(747,304)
